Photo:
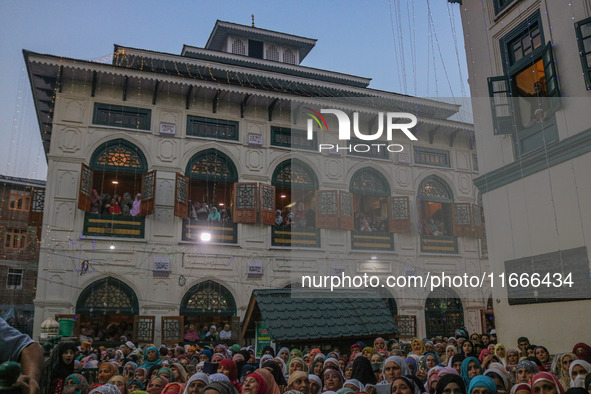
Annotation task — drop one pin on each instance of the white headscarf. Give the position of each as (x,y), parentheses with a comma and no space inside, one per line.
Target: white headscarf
(578,382)
(356,383)
(400,362)
(317,380)
(197,376)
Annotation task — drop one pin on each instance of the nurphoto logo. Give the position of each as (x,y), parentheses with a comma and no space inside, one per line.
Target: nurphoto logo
(392,124)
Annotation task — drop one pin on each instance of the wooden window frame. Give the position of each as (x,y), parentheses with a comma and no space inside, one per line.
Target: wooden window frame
(276,130)
(584,63)
(15,195)
(12,274)
(9,235)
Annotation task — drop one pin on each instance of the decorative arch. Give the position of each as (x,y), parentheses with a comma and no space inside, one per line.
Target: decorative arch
(295,173)
(444,312)
(369,181)
(212,165)
(108,296)
(119,155)
(207,298)
(435,189)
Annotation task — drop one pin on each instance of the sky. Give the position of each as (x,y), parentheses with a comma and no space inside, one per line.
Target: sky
(394,42)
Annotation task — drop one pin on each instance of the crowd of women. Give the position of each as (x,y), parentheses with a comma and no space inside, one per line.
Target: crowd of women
(454,365)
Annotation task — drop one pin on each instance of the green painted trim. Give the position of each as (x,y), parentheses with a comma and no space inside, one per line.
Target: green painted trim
(196,121)
(276,132)
(567,149)
(440,152)
(87,293)
(126,144)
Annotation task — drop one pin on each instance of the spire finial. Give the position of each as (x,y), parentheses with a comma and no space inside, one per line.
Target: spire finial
(252,16)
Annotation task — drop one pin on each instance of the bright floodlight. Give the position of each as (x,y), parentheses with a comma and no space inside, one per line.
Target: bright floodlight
(206,237)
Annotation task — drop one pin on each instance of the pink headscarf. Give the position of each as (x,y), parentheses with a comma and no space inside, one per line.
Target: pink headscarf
(548,377)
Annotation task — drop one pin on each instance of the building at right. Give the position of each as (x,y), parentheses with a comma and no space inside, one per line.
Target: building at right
(529,64)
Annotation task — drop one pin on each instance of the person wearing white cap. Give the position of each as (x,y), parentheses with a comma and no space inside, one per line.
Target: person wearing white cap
(127,348)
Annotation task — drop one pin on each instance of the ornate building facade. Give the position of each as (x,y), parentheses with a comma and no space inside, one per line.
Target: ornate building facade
(234,196)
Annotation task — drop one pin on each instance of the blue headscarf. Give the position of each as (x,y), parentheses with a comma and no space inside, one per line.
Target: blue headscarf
(413,364)
(207,352)
(432,354)
(482,381)
(140,384)
(149,364)
(464,369)
(134,365)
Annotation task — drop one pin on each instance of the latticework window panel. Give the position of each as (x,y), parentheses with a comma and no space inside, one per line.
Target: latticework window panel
(119,156)
(172,329)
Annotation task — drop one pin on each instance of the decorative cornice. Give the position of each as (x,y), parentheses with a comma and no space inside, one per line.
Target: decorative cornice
(567,149)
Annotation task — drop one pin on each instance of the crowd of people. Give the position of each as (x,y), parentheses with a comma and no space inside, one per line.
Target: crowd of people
(462,364)
(209,213)
(115,204)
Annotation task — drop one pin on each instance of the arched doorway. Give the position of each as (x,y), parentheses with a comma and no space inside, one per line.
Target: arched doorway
(106,308)
(444,313)
(208,303)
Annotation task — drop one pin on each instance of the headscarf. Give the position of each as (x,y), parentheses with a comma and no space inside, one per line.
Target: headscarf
(149,364)
(113,367)
(106,388)
(298,353)
(182,372)
(247,369)
(296,375)
(585,354)
(136,381)
(262,386)
(520,386)
(300,361)
(207,352)
(497,372)
(269,350)
(61,370)
(483,354)
(333,361)
(317,380)
(164,382)
(338,374)
(134,365)
(342,390)
(455,358)
(363,371)
(510,367)
(583,364)
(368,349)
(197,376)
(221,387)
(81,386)
(219,377)
(501,346)
(465,365)
(447,379)
(483,381)
(548,364)
(277,372)
(417,340)
(528,365)
(547,377)
(264,358)
(178,388)
(272,387)
(432,376)
(283,349)
(165,370)
(231,366)
(448,370)
(431,354)
(356,383)
(118,378)
(410,383)
(413,365)
(398,361)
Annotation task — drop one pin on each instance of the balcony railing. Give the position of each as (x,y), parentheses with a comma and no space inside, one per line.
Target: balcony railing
(220,232)
(439,244)
(364,240)
(294,236)
(113,225)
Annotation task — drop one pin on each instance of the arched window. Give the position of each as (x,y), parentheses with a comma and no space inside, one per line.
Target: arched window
(238,47)
(295,183)
(435,206)
(370,200)
(116,170)
(208,302)
(289,56)
(444,313)
(211,176)
(106,307)
(272,53)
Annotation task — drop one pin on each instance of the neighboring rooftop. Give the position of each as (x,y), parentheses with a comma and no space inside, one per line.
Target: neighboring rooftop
(21,181)
(287,317)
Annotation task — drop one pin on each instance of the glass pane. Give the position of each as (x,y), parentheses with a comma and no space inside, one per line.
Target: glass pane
(586,30)
(587,45)
(537,41)
(589,59)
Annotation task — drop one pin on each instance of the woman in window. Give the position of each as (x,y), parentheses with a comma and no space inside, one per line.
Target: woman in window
(214,215)
(135,208)
(95,202)
(114,208)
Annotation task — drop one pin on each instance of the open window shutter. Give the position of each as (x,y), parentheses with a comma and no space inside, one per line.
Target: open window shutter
(37,206)
(327,209)
(245,203)
(346,210)
(477,220)
(551,77)
(148,193)
(267,203)
(499,89)
(143,329)
(172,329)
(399,216)
(181,196)
(85,190)
(583,32)
(462,219)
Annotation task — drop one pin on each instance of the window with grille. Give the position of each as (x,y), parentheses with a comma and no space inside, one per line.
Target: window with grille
(120,116)
(583,32)
(525,98)
(19,200)
(289,56)
(431,157)
(292,138)
(14,280)
(501,5)
(238,47)
(15,239)
(198,126)
(272,53)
